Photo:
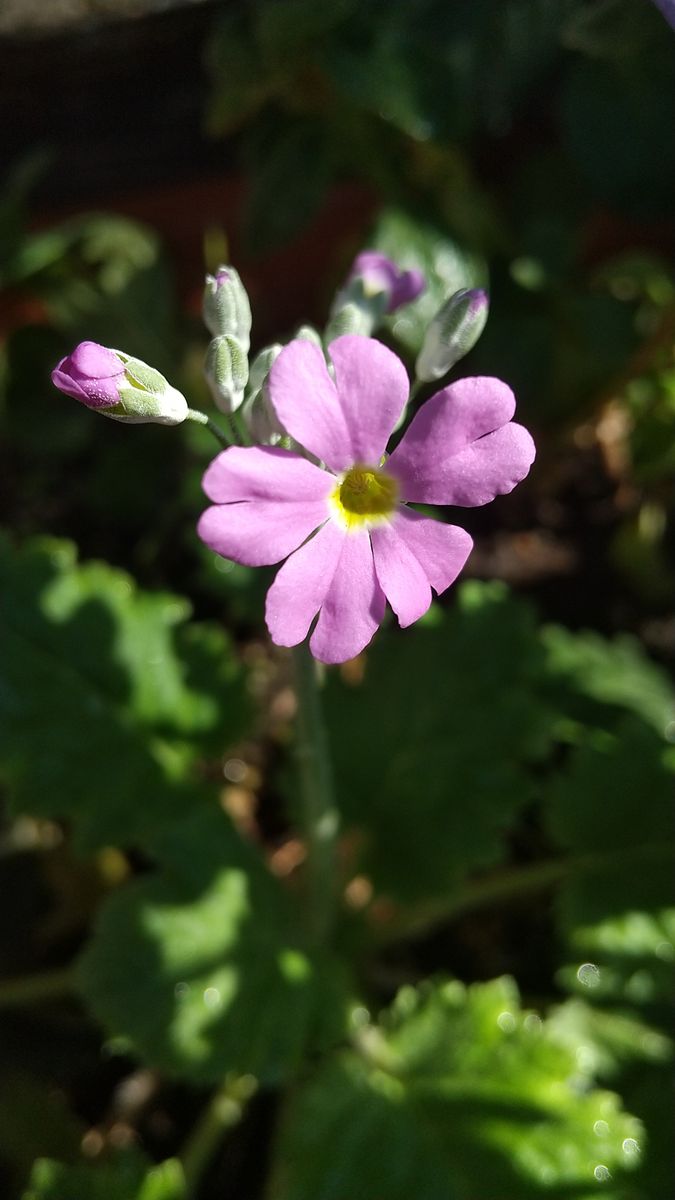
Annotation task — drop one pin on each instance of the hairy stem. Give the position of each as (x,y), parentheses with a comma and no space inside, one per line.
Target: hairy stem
(320,817)
(32,989)
(219,434)
(223,1111)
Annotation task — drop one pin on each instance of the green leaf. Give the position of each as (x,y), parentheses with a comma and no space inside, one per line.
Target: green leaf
(431,766)
(290,166)
(612,806)
(199,968)
(614,803)
(446,266)
(126,1177)
(614,673)
(106,699)
(456,1095)
(34,1120)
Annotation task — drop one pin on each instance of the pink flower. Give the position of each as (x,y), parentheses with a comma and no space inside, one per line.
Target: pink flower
(91,374)
(380,274)
(349,538)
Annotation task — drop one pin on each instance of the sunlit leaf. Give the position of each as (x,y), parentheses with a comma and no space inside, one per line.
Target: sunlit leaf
(456,1095)
(431,763)
(128,1176)
(107,701)
(200,968)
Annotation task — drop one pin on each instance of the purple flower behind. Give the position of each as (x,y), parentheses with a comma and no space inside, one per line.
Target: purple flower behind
(346,529)
(380,274)
(91,375)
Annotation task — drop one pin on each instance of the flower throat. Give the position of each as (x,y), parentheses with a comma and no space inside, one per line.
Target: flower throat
(365,493)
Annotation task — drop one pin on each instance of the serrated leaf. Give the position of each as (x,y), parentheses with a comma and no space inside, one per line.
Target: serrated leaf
(430,765)
(614,673)
(447,267)
(200,968)
(128,1176)
(457,1095)
(613,803)
(105,702)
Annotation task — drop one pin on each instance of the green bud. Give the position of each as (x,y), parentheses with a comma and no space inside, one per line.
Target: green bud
(226,308)
(260,367)
(307,333)
(454,330)
(226,370)
(145,396)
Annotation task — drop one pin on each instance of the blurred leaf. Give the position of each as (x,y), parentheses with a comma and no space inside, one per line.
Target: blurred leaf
(34,1120)
(633,172)
(104,278)
(604,1041)
(611,673)
(106,701)
(612,805)
(447,268)
(128,1176)
(283,31)
(198,968)
(290,167)
(439,70)
(239,85)
(423,742)
(457,1095)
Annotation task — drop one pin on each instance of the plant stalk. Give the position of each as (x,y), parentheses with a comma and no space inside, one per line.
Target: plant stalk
(320,816)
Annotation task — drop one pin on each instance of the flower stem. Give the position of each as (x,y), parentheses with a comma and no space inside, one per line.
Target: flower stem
(320,817)
(219,434)
(31,989)
(224,1110)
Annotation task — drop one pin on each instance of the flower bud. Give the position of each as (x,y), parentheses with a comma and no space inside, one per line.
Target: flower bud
(226,370)
(258,413)
(379,276)
(226,307)
(454,330)
(119,386)
(354,316)
(307,333)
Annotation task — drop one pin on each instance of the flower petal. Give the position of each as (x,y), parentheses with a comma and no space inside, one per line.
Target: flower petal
(301,586)
(265,473)
(440,549)
(354,604)
(259,532)
(305,400)
(372,387)
(400,575)
(461,447)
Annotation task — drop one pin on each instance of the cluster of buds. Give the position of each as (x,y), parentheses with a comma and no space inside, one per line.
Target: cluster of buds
(126,389)
(227,316)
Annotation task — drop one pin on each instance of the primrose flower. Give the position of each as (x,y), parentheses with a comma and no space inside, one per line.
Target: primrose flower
(119,386)
(379,274)
(345,529)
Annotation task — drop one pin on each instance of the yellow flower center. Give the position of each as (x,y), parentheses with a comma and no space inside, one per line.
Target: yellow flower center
(366,496)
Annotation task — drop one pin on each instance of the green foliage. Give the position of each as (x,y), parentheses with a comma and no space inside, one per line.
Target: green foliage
(34,1122)
(457,1093)
(425,740)
(201,969)
(446,266)
(613,802)
(616,674)
(104,689)
(126,1177)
